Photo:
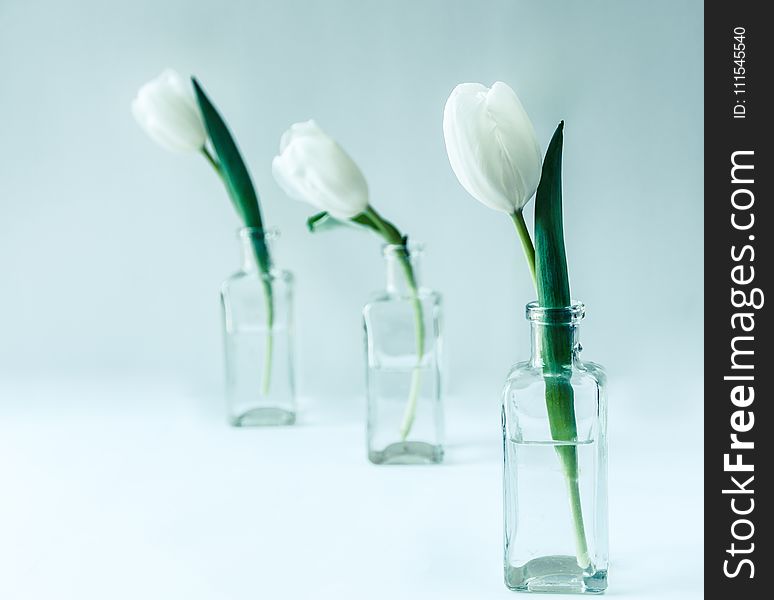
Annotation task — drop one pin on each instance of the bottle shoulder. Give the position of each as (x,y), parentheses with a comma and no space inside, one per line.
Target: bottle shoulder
(525,373)
(242,278)
(253,282)
(527,410)
(426,296)
(594,371)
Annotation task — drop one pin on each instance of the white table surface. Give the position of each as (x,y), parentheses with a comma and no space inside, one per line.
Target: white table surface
(114,490)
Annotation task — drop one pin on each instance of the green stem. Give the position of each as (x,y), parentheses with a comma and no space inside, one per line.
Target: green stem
(526,242)
(264,274)
(392,236)
(388,231)
(560,402)
(569,457)
(213,163)
(419,325)
(268,297)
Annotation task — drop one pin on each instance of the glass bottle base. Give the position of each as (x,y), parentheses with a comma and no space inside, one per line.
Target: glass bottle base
(407,453)
(555,575)
(264,417)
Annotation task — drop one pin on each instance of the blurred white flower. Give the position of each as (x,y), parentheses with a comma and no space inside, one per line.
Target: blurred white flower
(312,167)
(492,145)
(166,109)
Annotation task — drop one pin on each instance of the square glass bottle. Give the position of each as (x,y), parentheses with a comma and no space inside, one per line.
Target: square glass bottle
(403,352)
(258,335)
(554,419)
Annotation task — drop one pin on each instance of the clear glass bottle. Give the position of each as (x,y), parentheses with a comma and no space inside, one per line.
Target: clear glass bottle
(258,334)
(403,350)
(554,419)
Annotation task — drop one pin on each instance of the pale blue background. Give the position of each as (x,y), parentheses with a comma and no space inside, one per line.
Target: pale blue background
(119,476)
(112,250)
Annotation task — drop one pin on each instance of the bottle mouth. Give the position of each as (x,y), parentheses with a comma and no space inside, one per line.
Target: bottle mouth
(565,315)
(414,248)
(269,234)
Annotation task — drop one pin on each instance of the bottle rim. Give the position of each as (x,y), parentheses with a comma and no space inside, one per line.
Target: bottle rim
(565,315)
(268,233)
(414,248)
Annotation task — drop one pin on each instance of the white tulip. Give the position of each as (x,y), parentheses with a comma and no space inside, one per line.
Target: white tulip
(312,167)
(492,145)
(166,109)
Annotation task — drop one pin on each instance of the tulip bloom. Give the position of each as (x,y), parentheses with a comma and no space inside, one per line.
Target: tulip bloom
(492,145)
(493,151)
(313,167)
(166,110)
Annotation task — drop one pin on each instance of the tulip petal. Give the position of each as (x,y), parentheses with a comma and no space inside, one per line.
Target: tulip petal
(314,168)
(166,109)
(287,179)
(521,151)
(298,130)
(473,135)
(492,146)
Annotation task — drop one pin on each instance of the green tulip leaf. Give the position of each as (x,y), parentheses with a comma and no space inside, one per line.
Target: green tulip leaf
(553,286)
(234,172)
(323,221)
(553,283)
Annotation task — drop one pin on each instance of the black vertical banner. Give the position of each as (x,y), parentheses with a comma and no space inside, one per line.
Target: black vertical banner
(739,431)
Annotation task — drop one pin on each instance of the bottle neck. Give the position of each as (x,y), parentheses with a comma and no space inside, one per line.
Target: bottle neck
(402,270)
(249,240)
(562,340)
